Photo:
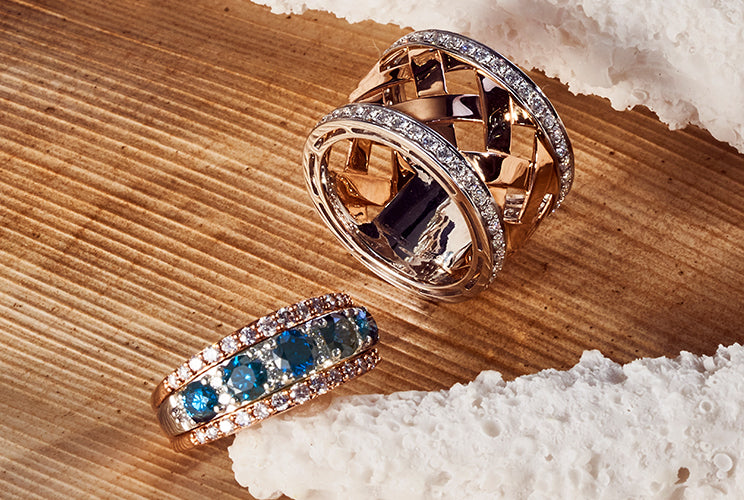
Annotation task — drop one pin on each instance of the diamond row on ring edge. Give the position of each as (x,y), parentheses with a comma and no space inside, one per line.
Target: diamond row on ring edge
(446,156)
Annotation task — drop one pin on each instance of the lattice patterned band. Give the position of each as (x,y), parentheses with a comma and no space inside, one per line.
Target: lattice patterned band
(277,362)
(450,159)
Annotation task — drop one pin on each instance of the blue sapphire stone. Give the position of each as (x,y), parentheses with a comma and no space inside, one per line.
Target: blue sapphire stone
(199,401)
(246,376)
(366,325)
(295,353)
(340,334)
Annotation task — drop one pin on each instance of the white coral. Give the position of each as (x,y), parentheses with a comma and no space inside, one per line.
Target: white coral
(654,428)
(682,59)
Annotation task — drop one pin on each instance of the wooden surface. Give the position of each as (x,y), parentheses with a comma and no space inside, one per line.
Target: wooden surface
(151,200)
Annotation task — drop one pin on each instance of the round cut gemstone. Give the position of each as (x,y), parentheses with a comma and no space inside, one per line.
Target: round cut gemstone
(199,401)
(226,427)
(261,411)
(340,335)
(246,377)
(295,353)
(366,325)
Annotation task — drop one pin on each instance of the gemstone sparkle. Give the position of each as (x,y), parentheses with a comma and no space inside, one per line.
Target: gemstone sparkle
(199,401)
(339,334)
(295,353)
(246,377)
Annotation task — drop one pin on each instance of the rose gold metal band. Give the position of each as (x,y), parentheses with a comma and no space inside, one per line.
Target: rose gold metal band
(450,159)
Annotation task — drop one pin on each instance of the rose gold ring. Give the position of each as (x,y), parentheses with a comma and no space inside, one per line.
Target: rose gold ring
(280,361)
(449,160)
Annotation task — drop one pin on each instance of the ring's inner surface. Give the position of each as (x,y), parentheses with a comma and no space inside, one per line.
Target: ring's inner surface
(398,211)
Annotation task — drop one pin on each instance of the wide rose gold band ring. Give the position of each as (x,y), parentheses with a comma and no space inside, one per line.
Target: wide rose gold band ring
(447,160)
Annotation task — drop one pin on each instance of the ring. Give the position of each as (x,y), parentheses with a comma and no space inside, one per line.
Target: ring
(277,362)
(447,160)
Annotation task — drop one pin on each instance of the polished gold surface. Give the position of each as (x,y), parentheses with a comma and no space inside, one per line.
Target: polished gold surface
(509,151)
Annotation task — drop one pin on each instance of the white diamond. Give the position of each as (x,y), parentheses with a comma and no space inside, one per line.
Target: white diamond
(229,345)
(301,312)
(267,325)
(300,393)
(279,401)
(211,354)
(247,336)
(405,127)
(428,142)
(261,411)
(416,134)
(173,381)
(226,427)
(243,419)
(216,381)
(318,384)
(335,377)
(440,38)
(224,398)
(446,155)
(283,317)
(428,36)
(375,114)
(482,55)
(350,369)
(510,76)
(330,301)
(396,122)
(533,99)
(499,66)
(201,436)
(184,373)
(488,60)
(212,432)
(196,364)
(550,122)
(316,305)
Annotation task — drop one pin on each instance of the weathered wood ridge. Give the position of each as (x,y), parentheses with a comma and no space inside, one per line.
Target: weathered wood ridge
(151,200)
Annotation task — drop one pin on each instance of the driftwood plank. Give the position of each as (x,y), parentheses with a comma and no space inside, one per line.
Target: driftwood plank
(151,200)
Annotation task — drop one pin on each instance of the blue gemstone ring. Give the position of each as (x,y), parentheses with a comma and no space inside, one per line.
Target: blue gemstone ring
(277,362)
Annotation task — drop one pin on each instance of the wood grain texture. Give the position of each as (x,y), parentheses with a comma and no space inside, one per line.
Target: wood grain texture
(151,200)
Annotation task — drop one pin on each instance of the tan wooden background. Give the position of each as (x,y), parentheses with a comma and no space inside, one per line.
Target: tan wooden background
(151,200)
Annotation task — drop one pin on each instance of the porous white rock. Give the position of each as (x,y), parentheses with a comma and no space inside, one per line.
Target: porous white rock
(682,59)
(653,428)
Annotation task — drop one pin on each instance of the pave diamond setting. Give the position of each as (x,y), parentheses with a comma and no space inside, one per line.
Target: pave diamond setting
(245,337)
(275,372)
(279,402)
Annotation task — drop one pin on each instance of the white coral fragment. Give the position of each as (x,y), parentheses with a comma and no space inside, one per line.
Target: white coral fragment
(654,428)
(682,59)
